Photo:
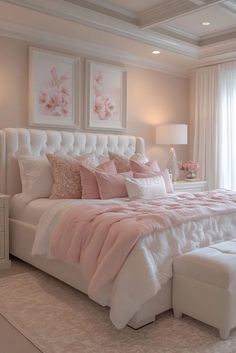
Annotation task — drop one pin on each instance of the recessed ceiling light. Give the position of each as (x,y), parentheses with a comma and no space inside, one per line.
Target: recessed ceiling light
(206,23)
(156,52)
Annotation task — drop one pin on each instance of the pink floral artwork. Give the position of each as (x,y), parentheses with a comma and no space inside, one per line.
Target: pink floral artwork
(106,96)
(54,99)
(55,94)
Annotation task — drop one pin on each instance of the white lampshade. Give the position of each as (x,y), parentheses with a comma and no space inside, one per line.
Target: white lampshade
(172,134)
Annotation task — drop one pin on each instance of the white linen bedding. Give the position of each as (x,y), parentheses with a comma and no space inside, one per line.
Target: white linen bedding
(29,212)
(149,265)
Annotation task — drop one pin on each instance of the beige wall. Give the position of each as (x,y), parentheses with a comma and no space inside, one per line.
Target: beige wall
(152,97)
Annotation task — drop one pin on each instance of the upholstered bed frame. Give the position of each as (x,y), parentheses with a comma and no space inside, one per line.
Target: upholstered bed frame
(35,142)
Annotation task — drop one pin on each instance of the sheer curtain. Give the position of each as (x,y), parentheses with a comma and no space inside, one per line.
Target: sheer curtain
(215,124)
(206,127)
(227,131)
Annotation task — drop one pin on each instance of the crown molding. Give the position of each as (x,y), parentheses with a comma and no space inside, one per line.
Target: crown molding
(213,50)
(59,42)
(213,60)
(182,35)
(87,17)
(218,37)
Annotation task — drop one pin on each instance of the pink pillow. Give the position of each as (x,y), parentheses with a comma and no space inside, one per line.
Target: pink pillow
(165,174)
(112,185)
(66,174)
(148,167)
(89,181)
(122,162)
(66,177)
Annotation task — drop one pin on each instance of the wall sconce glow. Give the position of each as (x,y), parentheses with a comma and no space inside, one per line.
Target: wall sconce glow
(156,52)
(206,23)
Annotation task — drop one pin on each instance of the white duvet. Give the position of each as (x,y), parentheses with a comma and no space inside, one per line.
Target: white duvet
(149,265)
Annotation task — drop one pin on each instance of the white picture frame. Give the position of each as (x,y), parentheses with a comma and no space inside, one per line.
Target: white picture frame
(105,98)
(54,99)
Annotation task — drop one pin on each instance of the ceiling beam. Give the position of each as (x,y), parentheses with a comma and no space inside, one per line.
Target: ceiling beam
(171,9)
(229,5)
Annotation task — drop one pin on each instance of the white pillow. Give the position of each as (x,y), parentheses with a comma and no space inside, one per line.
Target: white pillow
(36,178)
(145,188)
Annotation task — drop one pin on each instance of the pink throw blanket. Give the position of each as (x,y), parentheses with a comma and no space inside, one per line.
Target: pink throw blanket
(100,237)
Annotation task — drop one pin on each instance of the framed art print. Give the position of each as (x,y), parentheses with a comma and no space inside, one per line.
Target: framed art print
(53,98)
(105,96)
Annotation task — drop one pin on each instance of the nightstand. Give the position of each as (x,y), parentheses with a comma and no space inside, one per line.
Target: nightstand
(4,232)
(190,186)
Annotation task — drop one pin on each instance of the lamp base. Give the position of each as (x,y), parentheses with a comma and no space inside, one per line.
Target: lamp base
(172,164)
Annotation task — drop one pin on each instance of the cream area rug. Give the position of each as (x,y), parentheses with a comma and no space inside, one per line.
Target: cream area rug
(59,319)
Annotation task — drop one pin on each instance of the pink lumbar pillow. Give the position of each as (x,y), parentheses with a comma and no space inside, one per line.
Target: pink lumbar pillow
(122,162)
(112,185)
(89,181)
(148,167)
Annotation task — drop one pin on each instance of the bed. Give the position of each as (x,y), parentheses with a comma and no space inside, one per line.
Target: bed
(148,298)
(17,142)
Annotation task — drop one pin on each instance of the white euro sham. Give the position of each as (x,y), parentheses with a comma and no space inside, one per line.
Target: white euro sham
(145,188)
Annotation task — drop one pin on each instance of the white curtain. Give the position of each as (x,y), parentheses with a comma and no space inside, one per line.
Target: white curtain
(215,124)
(205,148)
(227,156)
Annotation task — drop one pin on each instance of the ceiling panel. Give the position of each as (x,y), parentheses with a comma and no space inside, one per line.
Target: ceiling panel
(134,5)
(220,18)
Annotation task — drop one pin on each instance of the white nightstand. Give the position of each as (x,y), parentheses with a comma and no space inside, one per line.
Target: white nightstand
(190,186)
(4,232)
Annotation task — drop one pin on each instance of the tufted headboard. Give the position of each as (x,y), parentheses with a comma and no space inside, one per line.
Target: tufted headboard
(34,142)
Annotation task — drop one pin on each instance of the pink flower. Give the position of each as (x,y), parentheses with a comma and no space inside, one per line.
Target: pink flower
(97,83)
(99,107)
(189,166)
(55,96)
(104,107)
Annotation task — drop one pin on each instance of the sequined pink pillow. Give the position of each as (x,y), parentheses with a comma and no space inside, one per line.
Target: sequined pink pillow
(66,174)
(122,163)
(89,181)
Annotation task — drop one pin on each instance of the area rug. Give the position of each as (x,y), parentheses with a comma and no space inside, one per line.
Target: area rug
(59,319)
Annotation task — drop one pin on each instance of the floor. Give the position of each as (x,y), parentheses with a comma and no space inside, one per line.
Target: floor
(75,324)
(11,340)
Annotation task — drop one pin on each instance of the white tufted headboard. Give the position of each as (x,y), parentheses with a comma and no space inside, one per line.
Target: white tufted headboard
(34,142)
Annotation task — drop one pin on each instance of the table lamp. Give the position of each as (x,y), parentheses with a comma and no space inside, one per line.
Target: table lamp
(172,134)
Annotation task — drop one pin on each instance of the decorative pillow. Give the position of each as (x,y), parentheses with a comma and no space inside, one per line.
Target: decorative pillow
(89,181)
(122,162)
(112,185)
(66,174)
(88,159)
(148,167)
(102,159)
(145,188)
(165,174)
(36,178)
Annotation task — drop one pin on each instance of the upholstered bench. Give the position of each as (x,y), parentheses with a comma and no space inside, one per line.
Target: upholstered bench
(204,286)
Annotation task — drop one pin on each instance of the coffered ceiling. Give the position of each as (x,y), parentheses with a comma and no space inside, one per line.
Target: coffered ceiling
(174,27)
(180,19)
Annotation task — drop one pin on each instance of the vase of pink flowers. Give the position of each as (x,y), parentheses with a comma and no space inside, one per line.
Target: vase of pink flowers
(191,169)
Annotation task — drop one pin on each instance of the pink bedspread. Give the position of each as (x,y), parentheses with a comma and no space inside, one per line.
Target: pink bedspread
(100,238)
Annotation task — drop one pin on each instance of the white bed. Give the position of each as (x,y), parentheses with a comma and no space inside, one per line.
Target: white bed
(142,288)
(23,220)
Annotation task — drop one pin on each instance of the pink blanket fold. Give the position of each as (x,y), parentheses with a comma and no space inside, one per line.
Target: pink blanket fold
(100,237)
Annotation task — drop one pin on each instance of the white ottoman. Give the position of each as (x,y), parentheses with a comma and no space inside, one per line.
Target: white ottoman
(204,286)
